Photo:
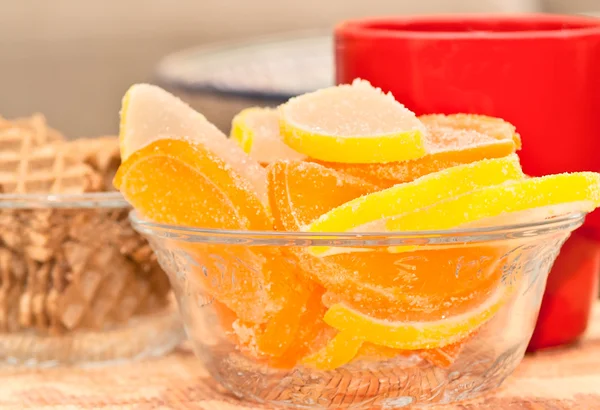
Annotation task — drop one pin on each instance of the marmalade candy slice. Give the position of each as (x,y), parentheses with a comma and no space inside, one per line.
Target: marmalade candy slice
(149,113)
(439,342)
(300,192)
(354,123)
(256,131)
(581,190)
(181,182)
(450,140)
(415,335)
(251,282)
(411,196)
(313,333)
(294,332)
(276,309)
(445,356)
(290,295)
(493,127)
(420,285)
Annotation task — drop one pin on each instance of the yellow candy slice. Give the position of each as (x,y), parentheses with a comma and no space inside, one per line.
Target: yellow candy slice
(412,335)
(411,196)
(339,351)
(352,124)
(582,189)
(256,131)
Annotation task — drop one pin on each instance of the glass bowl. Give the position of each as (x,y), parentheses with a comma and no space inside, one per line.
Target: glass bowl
(77,284)
(254,303)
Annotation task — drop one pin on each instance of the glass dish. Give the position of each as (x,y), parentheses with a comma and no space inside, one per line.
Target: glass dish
(77,284)
(220,80)
(452,272)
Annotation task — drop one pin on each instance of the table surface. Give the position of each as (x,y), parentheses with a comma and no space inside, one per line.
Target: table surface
(566,378)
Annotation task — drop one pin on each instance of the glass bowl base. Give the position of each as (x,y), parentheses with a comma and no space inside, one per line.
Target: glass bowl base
(146,336)
(394,383)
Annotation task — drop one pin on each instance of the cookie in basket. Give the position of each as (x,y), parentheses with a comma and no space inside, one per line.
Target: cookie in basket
(72,267)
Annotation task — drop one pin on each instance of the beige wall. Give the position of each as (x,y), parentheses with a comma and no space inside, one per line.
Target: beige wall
(73,59)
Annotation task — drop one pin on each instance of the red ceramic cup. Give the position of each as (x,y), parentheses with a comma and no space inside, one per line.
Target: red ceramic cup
(540,72)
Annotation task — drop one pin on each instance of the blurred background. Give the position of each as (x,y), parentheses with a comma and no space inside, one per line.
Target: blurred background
(73,60)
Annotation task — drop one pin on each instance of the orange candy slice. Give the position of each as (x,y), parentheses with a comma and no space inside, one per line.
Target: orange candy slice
(256,284)
(300,192)
(451,140)
(256,130)
(313,333)
(278,313)
(290,335)
(492,127)
(183,183)
(421,285)
(149,113)
(288,295)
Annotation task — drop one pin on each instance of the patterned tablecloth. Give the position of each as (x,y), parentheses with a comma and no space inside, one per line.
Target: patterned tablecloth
(560,379)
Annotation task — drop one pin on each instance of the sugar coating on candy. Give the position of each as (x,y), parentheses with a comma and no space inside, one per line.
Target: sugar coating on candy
(492,127)
(449,142)
(256,130)
(274,337)
(271,311)
(443,139)
(417,194)
(354,123)
(183,183)
(300,192)
(150,113)
(511,196)
(295,331)
(351,110)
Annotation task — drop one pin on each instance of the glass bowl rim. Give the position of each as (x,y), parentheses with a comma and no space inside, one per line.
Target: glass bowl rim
(566,221)
(108,200)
